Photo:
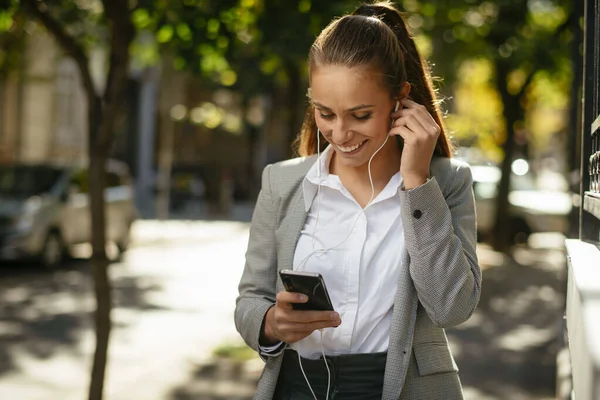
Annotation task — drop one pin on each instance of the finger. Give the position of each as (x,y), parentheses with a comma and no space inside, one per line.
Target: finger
(295,328)
(408,103)
(403,132)
(285,298)
(312,316)
(412,123)
(423,115)
(420,122)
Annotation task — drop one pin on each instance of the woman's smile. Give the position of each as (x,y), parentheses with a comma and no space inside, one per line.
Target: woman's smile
(351,150)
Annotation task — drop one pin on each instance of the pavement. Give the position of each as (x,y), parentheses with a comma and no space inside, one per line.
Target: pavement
(175,293)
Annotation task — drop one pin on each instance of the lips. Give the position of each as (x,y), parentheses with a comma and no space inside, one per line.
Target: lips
(350,149)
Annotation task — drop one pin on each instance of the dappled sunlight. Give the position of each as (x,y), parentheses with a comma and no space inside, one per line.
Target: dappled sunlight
(46,324)
(525,337)
(221,378)
(508,348)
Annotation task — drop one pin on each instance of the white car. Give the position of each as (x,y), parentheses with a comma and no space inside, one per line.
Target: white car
(531,209)
(44,210)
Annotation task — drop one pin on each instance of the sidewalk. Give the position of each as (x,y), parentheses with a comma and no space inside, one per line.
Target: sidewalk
(507,350)
(175,295)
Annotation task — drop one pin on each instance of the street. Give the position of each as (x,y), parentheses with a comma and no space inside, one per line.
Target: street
(174,294)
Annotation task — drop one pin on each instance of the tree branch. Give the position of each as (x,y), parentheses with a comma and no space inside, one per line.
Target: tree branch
(559,30)
(39,10)
(118,14)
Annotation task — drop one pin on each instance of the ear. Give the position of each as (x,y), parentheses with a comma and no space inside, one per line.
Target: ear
(405,91)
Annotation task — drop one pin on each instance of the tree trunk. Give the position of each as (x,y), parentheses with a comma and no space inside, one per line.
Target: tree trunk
(105,111)
(102,288)
(252,135)
(294,112)
(513,113)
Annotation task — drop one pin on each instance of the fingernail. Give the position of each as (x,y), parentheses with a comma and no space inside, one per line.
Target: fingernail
(335,316)
(303,297)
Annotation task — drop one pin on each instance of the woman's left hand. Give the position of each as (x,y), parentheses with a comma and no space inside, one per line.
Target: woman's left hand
(420,133)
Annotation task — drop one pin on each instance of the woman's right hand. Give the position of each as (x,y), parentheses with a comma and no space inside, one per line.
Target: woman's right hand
(283,323)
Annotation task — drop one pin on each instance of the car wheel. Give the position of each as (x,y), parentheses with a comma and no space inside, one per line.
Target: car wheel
(53,252)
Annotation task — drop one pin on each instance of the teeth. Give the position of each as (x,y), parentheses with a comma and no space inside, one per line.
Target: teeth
(349,149)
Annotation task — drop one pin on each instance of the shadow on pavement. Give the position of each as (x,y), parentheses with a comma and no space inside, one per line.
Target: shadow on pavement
(45,312)
(508,348)
(221,379)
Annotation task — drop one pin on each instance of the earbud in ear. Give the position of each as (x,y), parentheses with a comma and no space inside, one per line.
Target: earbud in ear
(397,105)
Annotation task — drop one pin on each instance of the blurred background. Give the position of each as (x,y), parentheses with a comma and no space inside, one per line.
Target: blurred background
(212,92)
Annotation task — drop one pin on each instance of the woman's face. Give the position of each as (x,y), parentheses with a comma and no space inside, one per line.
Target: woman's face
(352,111)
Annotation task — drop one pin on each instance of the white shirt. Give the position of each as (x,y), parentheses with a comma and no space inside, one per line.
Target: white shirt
(361,274)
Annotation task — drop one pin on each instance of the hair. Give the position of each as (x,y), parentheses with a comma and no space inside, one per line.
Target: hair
(377,37)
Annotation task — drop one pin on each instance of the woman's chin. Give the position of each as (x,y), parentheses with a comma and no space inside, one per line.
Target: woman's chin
(351,161)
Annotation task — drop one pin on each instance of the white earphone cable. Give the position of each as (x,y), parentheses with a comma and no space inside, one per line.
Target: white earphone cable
(326,366)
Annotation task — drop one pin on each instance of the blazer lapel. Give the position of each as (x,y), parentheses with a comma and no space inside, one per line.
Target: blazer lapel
(291,226)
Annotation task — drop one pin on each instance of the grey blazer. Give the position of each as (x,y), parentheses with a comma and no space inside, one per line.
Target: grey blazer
(439,284)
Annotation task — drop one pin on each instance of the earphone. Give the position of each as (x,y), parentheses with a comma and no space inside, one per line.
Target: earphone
(323,251)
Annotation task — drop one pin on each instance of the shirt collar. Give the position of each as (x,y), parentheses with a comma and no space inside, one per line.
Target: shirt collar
(311,181)
(310,184)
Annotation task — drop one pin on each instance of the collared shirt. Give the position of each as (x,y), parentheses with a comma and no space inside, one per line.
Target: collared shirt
(361,272)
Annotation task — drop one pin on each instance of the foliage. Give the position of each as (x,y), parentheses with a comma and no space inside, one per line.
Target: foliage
(530,39)
(227,40)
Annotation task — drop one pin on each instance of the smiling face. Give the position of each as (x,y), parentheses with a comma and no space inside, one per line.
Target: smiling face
(352,111)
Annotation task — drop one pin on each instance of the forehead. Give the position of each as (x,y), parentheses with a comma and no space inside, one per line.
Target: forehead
(333,85)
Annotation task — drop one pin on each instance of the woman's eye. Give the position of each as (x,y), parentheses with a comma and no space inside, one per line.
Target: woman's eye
(327,116)
(362,117)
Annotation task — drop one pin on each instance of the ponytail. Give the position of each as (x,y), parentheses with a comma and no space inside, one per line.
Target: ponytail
(417,73)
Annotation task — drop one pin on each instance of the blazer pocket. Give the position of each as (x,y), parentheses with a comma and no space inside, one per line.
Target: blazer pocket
(434,358)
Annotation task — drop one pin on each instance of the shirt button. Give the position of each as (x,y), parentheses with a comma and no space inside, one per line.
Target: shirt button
(417,214)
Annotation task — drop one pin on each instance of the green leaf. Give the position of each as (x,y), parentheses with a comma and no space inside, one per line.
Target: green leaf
(141,18)
(165,34)
(5,21)
(184,32)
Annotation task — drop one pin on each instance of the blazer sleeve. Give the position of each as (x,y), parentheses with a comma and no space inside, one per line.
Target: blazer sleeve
(257,288)
(441,238)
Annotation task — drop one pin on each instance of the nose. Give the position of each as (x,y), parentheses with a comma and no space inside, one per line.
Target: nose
(340,134)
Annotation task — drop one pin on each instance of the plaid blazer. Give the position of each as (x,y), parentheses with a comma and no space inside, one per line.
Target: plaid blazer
(439,285)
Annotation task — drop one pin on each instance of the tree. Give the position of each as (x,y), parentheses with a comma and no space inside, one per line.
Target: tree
(522,39)
(252,47)
(69,24)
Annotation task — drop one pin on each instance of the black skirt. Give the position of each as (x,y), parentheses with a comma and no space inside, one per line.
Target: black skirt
(353,377)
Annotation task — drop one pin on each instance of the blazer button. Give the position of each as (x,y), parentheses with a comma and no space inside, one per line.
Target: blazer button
(417,214)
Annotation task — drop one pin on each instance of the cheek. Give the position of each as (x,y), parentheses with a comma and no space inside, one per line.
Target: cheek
(375,127)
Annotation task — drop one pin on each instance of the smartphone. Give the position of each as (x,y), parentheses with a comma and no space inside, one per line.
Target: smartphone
(310,284)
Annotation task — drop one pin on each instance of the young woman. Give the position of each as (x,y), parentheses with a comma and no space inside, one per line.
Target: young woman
(382,213)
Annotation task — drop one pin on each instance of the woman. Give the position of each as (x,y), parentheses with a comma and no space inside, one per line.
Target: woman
(389,224)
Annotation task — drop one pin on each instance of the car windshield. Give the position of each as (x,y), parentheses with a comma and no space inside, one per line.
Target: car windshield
(25,181)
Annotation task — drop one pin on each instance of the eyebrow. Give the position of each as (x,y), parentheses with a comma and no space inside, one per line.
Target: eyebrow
(355,108)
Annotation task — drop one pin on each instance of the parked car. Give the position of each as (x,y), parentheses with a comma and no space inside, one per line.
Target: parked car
(531,209)
(44,210)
